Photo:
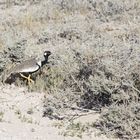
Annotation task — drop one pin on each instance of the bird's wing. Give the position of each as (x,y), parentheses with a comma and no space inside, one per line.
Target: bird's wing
(23,66)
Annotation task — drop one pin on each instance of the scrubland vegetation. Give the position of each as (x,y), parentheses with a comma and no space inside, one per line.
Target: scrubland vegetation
(95,62)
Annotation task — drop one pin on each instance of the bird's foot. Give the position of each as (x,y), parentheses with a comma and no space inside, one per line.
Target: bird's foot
(28,78)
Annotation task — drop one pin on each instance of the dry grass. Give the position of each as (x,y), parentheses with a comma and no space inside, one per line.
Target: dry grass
(121,121)
(93,83)
(95,62)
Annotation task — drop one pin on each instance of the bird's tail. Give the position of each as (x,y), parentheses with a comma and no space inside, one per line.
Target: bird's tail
(6,74)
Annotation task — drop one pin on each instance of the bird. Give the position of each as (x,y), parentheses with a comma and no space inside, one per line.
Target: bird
(29,66)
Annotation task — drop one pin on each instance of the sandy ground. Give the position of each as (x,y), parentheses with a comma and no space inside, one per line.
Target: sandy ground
(21,117)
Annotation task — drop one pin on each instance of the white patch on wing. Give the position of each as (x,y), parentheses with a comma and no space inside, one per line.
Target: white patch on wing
(31,69)
(39,63)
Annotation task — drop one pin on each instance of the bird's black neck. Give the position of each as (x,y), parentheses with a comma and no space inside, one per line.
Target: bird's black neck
(44,61)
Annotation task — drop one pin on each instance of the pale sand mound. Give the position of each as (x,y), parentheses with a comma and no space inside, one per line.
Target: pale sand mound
(21,117)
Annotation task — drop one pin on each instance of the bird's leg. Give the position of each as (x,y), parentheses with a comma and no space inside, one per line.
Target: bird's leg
(28,78)
(23,76)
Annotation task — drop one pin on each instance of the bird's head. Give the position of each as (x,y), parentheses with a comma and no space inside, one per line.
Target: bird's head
(47,53)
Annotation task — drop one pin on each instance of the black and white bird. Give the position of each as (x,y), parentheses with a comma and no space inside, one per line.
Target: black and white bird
(29,66)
